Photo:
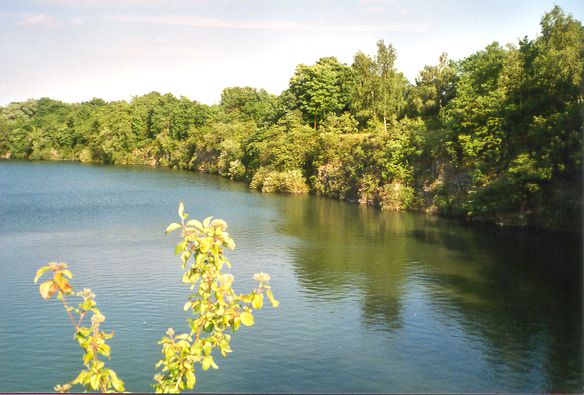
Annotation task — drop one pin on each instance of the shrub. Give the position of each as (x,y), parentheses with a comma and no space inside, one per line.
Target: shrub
(396,196)
(287,181)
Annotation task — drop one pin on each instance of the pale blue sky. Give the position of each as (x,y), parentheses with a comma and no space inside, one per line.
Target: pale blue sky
(74,50)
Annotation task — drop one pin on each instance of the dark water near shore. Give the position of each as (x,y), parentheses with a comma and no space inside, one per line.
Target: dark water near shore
(370,301)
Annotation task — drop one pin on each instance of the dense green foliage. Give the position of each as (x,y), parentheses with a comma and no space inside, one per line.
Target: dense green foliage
(496,136)
(215,307)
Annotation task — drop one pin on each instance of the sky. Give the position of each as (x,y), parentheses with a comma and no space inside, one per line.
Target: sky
(73,50)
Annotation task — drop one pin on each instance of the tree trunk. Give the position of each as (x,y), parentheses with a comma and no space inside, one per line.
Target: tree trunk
(314,121)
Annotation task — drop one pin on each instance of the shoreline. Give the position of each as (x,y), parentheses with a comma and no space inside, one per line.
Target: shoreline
(520,225)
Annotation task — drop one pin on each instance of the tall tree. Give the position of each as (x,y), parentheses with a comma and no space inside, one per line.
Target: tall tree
(475,115)
(555,82)
(392,83)
(379,89)
(434,88)
(322,89)
(365,88)
(249,103)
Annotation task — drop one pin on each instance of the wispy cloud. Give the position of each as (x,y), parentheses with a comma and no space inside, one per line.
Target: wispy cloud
(96,3)
(44,20)
(194,21)
(380,6)
(391,2)
(40,20)
(75,21)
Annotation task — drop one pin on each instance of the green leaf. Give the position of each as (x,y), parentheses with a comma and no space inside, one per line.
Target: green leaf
(181,209)
(207,221)
(48,288)
(87,357)
(64,285)
(84,331)
(117,383)
(246,318)
(172,227)
(207,348)
(200,259)
(40,272)
(228,241)
(205,244)
(94,382)
(225,346)
(191,379)
(104,350)
(80,379)
(180,247)
(226,261)
(206,363)
(195,223)
(88,304)
(67,273)
(275,303)
(257,301)
(196,348)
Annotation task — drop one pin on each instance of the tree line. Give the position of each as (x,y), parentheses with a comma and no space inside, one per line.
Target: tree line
(496,136)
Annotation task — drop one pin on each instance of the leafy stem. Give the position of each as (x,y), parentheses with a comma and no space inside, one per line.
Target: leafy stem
(215,307)
(95,376)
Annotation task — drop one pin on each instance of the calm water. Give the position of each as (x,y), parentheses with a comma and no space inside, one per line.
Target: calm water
(370,301)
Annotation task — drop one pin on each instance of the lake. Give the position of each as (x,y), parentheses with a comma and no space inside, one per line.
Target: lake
(370,301)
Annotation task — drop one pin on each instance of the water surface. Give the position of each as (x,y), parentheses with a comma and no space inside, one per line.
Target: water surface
(370,301)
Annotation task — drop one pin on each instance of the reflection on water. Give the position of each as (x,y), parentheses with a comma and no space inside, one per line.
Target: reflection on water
(516,293)
(341,250)
(370,301)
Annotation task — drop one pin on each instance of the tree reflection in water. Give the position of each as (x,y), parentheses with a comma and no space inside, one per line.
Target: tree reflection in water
(516,294)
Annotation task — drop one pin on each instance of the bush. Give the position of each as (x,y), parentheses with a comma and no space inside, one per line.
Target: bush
(236,170)
(288,181)
(396,196)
